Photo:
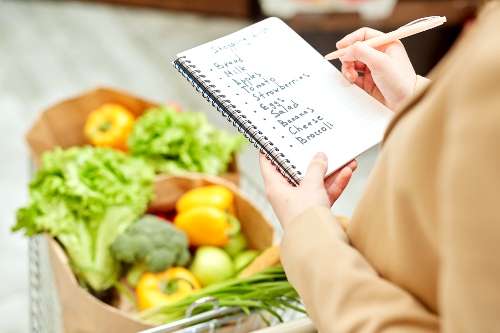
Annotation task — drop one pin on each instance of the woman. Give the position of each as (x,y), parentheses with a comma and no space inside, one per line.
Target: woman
(421,253)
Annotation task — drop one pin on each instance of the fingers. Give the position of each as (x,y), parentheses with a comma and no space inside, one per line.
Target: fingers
(372,58)
(340,183)
(336,183)
(353,165)
(269,172)
(358,35)
(351,69)
(316,171)
(272,177)
(359,66)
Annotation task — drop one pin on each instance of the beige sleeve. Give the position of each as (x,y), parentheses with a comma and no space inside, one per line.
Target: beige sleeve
(420,83)
(341,291)
(469,190)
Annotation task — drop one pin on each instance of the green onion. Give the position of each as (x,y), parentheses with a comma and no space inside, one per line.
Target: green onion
(267,290)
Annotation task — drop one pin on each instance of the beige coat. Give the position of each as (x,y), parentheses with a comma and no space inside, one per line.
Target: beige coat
(424,253)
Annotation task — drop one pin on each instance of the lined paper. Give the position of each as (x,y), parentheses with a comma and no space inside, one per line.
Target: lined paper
(295,97)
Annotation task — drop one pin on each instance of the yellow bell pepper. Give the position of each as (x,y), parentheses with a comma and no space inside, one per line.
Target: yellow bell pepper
(212,195)
(155,289)
(109,125)
(207,225)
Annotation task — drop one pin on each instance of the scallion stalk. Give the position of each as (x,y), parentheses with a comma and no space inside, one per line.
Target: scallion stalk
(267,290)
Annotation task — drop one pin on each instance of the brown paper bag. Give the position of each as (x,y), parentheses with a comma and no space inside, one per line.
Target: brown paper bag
(62,125)
(83,313)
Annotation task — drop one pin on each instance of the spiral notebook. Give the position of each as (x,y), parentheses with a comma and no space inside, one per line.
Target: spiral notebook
(285,97)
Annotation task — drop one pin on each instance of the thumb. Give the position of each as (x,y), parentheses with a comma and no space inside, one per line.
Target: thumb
(374,59)
(316,171)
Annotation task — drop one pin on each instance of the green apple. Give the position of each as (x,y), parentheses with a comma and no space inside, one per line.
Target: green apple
(211,264)
(244,258)
(236,244)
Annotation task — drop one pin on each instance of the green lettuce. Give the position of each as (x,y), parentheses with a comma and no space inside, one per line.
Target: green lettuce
(175,142)
(86,197)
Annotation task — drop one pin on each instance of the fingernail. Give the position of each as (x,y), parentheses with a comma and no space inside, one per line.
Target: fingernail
(320,156)
(348,75)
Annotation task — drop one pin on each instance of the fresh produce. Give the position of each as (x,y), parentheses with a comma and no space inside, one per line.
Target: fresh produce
(268,258)
(207,225)
(176,142)
(237,243)
(109,126)
(168,215)
(176,106)
(206,215)
(267,290)
(86,197)
(244,258)
(167,287)
(211,264)
(152,245)
(212,195)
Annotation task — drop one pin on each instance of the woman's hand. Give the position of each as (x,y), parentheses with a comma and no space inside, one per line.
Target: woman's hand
(314,190)
(388,73)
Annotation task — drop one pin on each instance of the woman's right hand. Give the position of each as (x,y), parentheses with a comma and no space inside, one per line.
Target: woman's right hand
(388,73)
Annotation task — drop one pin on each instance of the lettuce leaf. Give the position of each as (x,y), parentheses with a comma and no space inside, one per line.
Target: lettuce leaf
(176,142)
(85,197)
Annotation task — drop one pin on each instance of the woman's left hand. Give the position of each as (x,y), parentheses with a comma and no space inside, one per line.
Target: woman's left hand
(314,189)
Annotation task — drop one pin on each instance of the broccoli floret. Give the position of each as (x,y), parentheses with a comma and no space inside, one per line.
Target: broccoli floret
(151,244)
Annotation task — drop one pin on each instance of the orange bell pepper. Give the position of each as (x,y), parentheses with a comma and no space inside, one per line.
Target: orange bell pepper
(155,289)
(212,195)
(207,225)
(109,125)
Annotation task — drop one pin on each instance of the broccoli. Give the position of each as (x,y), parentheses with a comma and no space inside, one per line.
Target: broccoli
(151,244)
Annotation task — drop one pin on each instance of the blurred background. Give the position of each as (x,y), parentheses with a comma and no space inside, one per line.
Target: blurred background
(54,50)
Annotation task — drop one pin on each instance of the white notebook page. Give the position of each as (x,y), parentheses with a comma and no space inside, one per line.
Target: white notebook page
(292,94)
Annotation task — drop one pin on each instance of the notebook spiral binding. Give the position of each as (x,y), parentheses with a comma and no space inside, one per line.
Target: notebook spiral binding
(229,111)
